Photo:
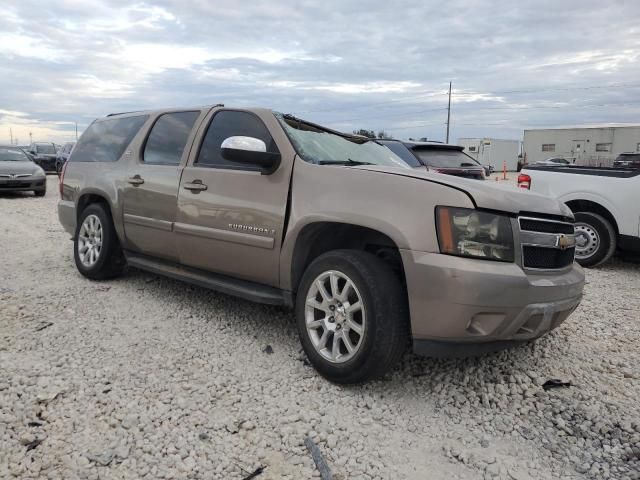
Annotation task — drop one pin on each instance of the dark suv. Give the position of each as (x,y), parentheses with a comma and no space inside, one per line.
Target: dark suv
(629,160)
(44,155)
(437,157)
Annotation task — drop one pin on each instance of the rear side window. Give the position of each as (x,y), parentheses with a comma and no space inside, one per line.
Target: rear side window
(106,140)
(403,152)
(230,123)
(445,158)
(168,138)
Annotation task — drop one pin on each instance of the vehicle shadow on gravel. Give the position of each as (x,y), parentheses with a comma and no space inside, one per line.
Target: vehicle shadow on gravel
(281,322)
(17,195)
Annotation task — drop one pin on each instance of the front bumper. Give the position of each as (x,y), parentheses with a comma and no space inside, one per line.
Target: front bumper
(458,303)
(23,184)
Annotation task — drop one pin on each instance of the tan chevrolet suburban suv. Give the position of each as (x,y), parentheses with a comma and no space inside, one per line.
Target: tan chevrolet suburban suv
(370,253)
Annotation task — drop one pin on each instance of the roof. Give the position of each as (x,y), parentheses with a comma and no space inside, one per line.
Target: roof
(172,109)
(578,127)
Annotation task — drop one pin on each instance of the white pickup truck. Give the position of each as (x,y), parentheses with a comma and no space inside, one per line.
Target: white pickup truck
(604,201)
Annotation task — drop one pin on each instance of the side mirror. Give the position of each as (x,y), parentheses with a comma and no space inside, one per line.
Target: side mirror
(252,151)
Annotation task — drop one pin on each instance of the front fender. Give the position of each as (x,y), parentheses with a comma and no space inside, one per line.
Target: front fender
(400,207)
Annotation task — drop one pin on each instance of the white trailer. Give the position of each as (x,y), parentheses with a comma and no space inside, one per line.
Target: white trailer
(587,146)
(493,152)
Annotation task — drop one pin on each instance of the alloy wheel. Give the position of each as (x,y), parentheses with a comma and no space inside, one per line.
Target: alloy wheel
(90,240)
(335,316)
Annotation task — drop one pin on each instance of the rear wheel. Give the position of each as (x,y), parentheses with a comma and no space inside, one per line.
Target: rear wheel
(595,239)
(97,251)
(352,316)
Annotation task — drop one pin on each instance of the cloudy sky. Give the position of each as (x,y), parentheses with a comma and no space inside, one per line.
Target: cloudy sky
(378,64)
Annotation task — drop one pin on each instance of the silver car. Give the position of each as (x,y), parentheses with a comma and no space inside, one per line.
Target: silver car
(18,173)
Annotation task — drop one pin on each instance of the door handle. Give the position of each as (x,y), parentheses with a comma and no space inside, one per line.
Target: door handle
(196,186)
(136,180)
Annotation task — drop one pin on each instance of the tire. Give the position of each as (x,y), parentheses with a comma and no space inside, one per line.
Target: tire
(383,321)
(40,193)
(600,238)
(108,261)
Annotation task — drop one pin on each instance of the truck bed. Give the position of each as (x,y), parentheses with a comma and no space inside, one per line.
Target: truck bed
(579,170)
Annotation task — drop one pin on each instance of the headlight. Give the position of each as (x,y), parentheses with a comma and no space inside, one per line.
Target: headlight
(471,233)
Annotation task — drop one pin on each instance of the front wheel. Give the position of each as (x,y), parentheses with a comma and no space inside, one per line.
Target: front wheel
(96,248)
(40,193)
(595,239)
(352,316)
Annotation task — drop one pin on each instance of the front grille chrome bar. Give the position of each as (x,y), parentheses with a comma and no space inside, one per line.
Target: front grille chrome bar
(540,235)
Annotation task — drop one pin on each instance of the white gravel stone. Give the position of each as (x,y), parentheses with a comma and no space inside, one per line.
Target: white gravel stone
(145,377)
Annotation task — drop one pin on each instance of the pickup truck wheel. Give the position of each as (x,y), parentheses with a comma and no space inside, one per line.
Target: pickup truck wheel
(96,247)
(595,239)
(352,316)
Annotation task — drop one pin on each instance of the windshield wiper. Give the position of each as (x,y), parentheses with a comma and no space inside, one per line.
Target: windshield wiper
(344,162)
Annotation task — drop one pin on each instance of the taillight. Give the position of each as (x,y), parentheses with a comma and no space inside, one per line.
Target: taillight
(524,181)
(61,182)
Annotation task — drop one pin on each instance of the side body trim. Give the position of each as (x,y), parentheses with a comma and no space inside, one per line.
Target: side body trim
(148,222)
(225,235)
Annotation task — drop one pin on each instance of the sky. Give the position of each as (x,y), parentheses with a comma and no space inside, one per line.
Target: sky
(378,65)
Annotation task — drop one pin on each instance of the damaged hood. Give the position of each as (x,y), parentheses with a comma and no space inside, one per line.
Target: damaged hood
(487,194)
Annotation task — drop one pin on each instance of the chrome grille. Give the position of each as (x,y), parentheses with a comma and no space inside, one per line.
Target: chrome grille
(14,175)
(546,244)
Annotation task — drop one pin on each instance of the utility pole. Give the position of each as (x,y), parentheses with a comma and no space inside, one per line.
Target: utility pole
(449,113)
(76,130)
(11,135)
(30,138)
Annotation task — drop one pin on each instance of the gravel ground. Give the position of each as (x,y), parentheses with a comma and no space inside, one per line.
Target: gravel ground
(145,377)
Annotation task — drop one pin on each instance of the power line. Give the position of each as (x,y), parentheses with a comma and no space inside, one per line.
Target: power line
(565,89)
(543,107)
(527,107)
(378,104)
(431,93)
(398,114)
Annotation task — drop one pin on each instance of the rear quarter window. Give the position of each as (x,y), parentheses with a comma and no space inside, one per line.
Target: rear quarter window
(106,140)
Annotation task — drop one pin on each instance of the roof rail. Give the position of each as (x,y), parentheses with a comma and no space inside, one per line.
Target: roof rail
(142,111)
(123,113)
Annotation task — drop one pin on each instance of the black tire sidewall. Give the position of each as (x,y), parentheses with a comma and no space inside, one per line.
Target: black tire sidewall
(103,268)
(363,365)
(605,232)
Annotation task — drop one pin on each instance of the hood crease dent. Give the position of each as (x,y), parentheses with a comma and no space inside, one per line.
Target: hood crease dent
(486,194)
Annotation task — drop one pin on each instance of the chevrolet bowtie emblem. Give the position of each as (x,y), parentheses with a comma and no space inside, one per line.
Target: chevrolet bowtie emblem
(563,242)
